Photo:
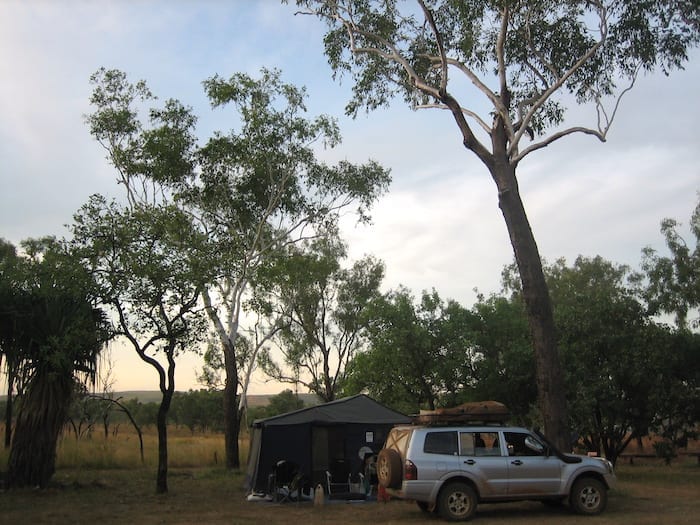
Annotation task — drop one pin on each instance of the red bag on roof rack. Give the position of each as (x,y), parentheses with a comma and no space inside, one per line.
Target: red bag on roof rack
(488,412)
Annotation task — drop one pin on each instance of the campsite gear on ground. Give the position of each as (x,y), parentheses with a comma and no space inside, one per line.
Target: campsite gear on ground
(319,496)
(318,438)
(285,482)
(343,484)
(369,474)
(382,495)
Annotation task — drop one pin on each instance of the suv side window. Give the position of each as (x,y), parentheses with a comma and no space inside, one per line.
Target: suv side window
(441,443)
(479,444)
(522,444)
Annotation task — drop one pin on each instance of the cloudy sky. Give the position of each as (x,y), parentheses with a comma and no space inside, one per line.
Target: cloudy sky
(438,227)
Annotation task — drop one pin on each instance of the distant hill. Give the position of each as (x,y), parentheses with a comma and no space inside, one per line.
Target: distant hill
(257,400)
(154,396)
(254,400)
(145,396)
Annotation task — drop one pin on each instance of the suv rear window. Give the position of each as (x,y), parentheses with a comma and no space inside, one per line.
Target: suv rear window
(441,443)
(398,439)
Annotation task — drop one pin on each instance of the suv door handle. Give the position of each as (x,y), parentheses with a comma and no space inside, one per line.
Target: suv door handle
(516,462)
(470,462)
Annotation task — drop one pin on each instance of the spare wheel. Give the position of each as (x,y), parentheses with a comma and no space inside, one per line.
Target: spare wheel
(389,468)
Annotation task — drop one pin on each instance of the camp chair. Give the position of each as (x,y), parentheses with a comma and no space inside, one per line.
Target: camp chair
(364,485)
(284,474)
(338,478)
(343,484)
(337,488)
(291,491)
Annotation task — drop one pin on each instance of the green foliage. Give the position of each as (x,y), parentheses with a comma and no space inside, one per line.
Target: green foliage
(144,414)
(202,219)
(145,263)
(199,410)
(626,374)
(420,355)
(285,401)
(665,450)
(674,282)
(322,307)
(158,154)
(533,49)
(10,333)
(504,363)
(677,402)
(54,334)
(266,173)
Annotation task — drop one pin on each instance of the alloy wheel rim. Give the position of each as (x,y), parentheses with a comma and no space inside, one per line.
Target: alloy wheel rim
(459,504)
(590,498)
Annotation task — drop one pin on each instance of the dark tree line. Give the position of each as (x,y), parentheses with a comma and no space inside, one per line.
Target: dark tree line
(627,373)
(200,411)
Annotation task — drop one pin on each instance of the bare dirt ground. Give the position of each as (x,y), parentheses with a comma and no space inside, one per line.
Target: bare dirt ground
(647,494)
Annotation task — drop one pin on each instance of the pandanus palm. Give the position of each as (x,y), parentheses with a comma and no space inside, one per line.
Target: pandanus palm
(62,334)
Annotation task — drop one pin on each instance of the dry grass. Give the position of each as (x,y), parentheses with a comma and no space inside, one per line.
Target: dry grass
(97,490)
(122,451)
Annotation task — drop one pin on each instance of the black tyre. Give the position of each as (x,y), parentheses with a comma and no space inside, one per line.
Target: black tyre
(588,496)
(389,468)
(426,507)
(457,502)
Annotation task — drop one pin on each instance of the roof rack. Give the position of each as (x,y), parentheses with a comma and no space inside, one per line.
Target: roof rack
(482,412)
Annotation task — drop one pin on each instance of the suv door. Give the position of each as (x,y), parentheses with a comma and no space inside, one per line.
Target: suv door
(480,458)
(531,470)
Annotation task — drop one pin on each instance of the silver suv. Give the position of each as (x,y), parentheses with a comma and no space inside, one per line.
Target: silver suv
(450,469)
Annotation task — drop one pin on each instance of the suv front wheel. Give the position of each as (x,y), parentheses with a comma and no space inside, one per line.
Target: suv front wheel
(457,502)
(588,496)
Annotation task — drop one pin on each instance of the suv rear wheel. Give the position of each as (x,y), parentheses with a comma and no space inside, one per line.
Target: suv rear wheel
(457,502)
(588,496)
(389,468)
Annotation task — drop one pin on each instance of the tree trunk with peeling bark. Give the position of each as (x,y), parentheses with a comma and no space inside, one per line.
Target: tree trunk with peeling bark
(232,422)
(548,370)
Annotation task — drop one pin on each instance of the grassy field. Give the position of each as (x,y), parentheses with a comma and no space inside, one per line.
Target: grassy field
(104,482)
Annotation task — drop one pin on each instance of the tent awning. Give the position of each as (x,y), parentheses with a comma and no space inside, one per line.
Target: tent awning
(355,409)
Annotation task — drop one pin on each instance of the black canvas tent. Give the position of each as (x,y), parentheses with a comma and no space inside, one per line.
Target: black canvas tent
(319,439)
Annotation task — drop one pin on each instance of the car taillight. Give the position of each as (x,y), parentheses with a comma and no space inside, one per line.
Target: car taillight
(410,471)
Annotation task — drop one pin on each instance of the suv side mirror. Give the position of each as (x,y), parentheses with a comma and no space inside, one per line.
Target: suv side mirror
(536,446)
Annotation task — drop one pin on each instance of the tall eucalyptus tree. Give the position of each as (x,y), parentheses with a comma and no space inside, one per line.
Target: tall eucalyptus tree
(144,261)
(248,193)
(146,255)
(504,70)
(322,308)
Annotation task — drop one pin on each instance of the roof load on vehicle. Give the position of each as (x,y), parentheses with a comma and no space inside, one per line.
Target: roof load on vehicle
(486,412)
